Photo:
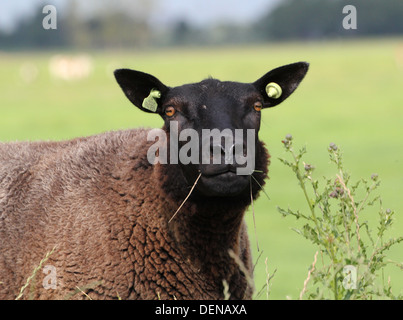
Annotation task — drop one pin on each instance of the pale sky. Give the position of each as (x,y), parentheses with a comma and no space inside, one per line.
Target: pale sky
(196,12)
(201,12)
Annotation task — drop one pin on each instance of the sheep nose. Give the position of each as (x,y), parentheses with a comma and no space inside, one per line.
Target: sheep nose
(226,151)
(217,148)
(221,150)
(218,153)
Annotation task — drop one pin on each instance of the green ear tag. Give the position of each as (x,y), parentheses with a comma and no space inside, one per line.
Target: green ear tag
(273,90)
(150,102)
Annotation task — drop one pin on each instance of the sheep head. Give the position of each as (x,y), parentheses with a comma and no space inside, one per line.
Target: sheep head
(212,127)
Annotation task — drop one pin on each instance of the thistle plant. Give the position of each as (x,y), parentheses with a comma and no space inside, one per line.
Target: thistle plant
(351,254)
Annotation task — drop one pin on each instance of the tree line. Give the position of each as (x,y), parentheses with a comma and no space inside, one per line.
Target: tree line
(290,20)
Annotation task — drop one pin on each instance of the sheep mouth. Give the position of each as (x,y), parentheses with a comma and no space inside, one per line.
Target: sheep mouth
(222,182)
(227,175)
(217,180)
(215,172)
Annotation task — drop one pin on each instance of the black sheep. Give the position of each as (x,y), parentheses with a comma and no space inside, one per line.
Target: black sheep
(110,214)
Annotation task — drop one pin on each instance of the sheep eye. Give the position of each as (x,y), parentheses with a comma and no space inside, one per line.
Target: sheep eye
(170,111)
(257,106)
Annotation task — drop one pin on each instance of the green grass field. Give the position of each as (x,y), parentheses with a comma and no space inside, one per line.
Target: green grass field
(352,96)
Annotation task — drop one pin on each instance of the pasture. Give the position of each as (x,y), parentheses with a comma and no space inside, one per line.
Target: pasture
(352,96)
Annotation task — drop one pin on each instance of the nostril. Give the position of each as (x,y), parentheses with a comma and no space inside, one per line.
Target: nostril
(228,152)
(232,150)
(217,149)
(216,153)
(238,149)
(229,156)
(219,152)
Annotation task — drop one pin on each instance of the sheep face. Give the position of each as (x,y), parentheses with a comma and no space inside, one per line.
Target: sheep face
(212,126)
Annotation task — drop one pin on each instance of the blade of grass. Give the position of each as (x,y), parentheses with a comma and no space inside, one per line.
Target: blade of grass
(34,273)
(187,197)
(253,212)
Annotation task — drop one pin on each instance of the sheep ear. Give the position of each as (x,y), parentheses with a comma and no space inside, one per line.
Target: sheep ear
(142,89)
(278,84)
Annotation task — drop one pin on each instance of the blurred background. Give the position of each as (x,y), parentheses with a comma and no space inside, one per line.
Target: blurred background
(58,84)
(125,24)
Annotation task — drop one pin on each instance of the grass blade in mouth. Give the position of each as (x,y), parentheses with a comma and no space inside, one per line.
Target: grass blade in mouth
(190,192)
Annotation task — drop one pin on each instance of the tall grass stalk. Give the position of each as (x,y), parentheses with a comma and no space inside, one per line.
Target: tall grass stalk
(32,276)
(353,261)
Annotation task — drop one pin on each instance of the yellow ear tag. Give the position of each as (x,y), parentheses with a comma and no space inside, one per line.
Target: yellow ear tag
(150,102)
(273,90)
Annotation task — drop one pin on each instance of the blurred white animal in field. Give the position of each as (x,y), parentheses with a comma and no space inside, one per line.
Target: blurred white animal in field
(70,68)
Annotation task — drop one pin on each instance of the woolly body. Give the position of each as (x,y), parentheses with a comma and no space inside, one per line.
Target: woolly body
(105,209)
